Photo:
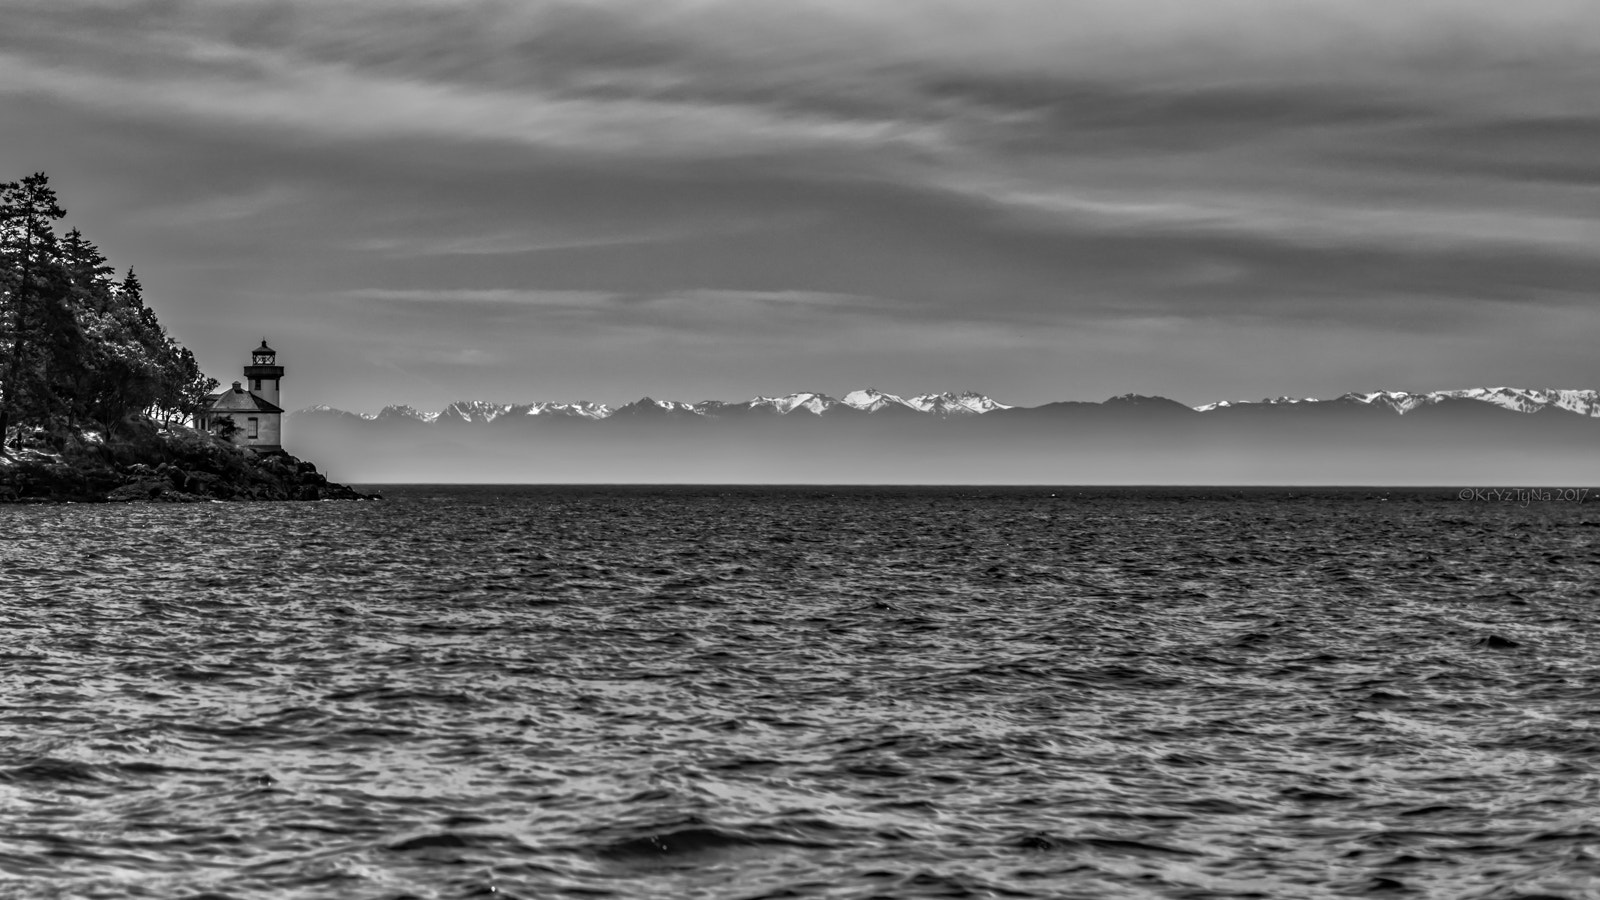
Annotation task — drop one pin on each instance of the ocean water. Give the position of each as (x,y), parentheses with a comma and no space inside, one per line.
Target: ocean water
(805,692)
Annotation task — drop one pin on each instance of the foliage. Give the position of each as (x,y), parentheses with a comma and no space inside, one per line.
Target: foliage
(78,347)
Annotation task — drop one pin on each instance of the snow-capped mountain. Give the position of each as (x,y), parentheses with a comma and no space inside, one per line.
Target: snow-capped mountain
(1456,437)
(868,400)
(873,400)
(806,401)
(403,413)
(1582,402)
(581,409)
(477,412)
(649,406)
(472,412)
(965,403)
(1586,403)
(1401,402)
(1265,401)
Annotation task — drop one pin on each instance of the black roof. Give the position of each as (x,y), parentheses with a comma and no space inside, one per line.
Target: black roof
(240,400)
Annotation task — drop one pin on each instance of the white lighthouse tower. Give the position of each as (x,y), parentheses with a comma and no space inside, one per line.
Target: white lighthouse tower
(264,373)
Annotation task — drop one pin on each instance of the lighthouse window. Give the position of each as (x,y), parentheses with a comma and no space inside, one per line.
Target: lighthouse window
(255,427)
(255,384)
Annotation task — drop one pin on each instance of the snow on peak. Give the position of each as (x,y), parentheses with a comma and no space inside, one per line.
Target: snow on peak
(1264,401)
(1401,402)
(872,400)
(649,403)
(476,412)
(323,409)
(964,403)
(406,412)
(582,409)
(1582,402)
(809,401)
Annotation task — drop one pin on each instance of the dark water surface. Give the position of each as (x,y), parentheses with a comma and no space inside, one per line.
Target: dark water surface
(769,692)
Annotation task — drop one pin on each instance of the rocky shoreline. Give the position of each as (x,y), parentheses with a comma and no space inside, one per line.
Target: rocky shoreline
(177,465)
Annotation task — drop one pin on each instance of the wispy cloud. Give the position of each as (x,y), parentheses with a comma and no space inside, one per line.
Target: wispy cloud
(338,101)
(223,209)
(691,308)
(1309,220)
(691,311)
(517,242)
(757,171)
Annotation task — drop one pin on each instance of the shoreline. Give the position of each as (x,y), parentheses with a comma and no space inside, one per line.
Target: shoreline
(152,465)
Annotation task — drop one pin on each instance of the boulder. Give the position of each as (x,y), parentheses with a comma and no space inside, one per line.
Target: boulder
(138,490)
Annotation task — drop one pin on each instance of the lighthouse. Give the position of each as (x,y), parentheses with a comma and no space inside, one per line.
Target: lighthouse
(264,373)
(252,405)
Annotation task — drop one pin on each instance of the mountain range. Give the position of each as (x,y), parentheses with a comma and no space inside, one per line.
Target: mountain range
(873,401)
(1471,437)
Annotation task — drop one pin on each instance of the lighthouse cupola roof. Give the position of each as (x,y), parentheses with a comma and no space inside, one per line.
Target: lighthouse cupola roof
(263,355)
(263,363)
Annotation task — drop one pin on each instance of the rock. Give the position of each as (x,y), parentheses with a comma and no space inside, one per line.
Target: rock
(139,490)
(178,466)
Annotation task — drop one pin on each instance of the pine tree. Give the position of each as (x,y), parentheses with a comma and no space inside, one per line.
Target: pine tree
(75,344)
(90,273)
(186,390)
(31,299)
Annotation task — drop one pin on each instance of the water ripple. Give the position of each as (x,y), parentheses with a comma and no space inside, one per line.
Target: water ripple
(743,693)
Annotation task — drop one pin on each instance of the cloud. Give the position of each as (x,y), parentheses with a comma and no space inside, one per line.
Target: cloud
(224,209)
(522,241)
(699,312)
(1310,221)
(897,90)
(299,85)
(753,171)
(690,75)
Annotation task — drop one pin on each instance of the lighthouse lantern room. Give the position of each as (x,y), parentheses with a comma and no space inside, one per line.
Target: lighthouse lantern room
(264,373)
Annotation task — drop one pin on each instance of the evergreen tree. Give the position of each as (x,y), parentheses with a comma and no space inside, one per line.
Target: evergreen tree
(187,390)
(76,345)
(29,304)
(90,273)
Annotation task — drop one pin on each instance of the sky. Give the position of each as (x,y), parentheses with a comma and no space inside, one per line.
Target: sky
(421,201)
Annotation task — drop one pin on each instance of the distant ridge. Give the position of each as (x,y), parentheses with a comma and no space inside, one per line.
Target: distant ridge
(1479,436)
(1583,402)
(871,401)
